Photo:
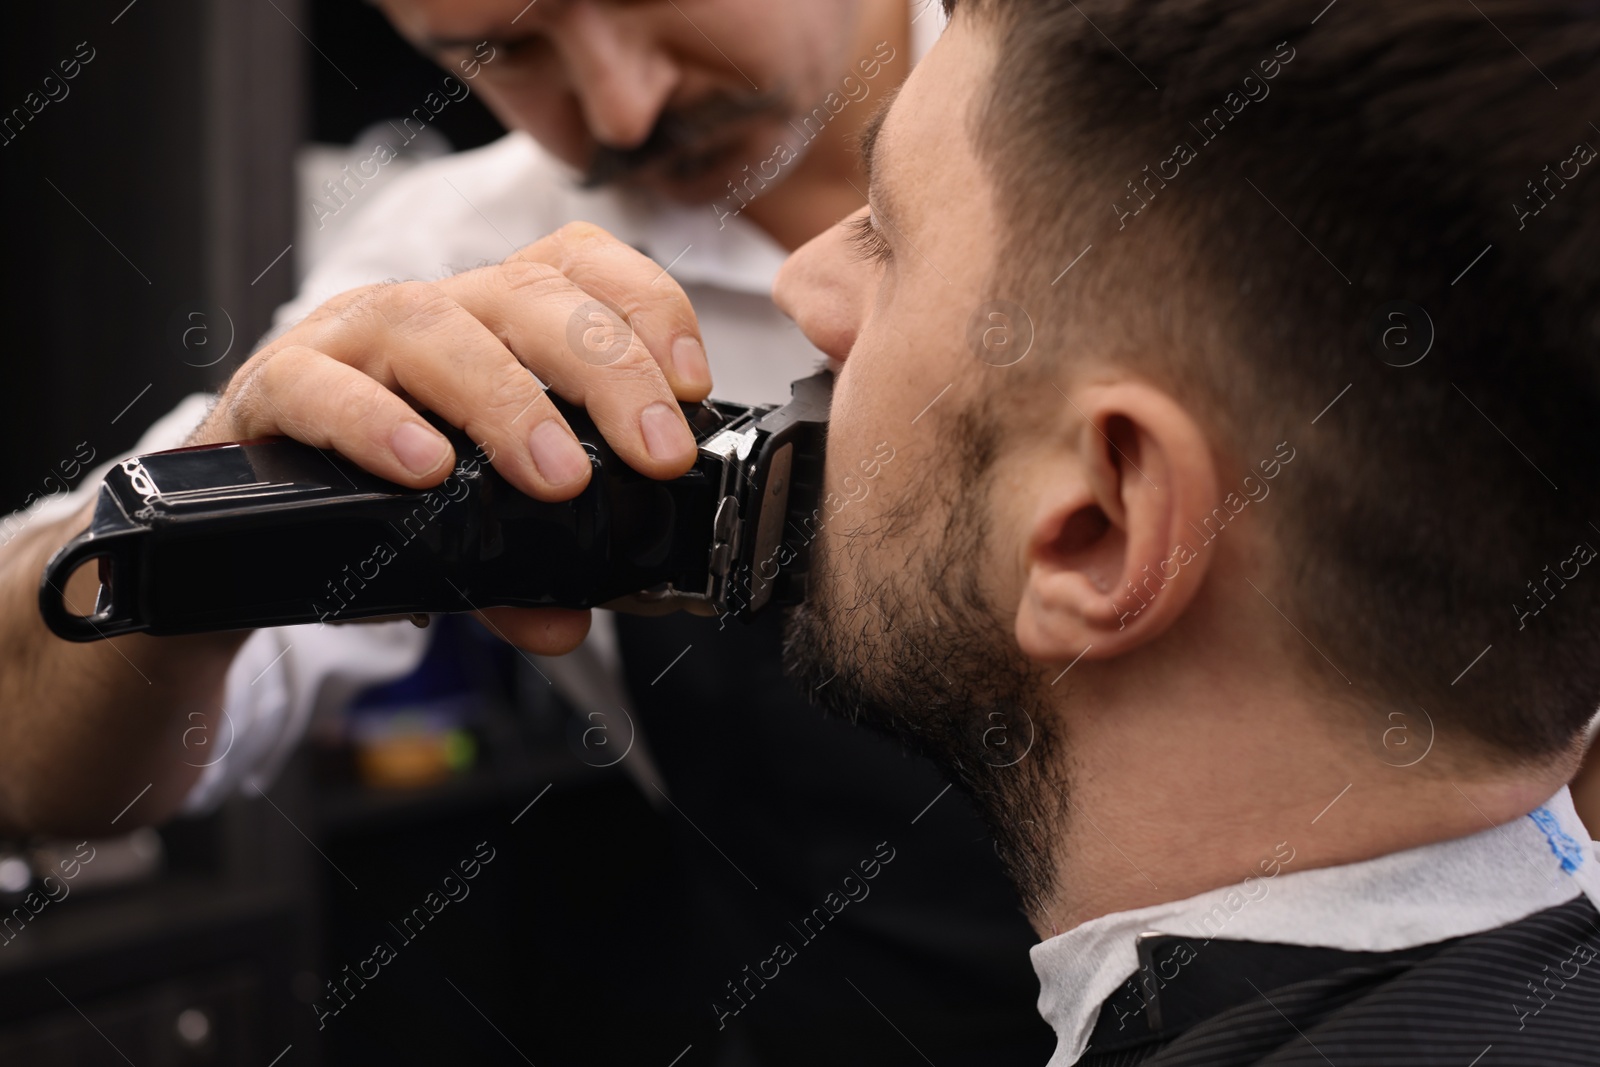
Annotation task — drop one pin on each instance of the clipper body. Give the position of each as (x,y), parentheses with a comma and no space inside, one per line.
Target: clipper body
(274,532)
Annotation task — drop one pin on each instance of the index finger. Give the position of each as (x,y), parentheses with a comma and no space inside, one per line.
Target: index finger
(638,289)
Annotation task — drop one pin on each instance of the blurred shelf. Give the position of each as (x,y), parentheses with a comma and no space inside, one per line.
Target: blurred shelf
(120,937)
(350,808)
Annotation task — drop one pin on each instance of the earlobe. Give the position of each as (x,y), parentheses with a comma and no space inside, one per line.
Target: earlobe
(1110,557)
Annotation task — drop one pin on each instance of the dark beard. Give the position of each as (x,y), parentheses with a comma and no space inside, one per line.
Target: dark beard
(685,143)
(939,672)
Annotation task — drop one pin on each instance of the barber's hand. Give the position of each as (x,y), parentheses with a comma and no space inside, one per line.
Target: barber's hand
(351,376)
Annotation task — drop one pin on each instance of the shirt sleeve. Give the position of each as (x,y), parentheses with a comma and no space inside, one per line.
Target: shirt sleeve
(169,431)
(285,678)
(461,211)
(281,678)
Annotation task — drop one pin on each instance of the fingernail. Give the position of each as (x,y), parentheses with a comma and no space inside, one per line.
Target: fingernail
(665,434)
(556,453)
(418,447)
(689,358)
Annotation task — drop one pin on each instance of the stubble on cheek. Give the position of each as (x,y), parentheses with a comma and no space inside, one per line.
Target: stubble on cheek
(898,634)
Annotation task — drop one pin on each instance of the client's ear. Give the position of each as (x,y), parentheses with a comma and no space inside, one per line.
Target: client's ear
(1107,556)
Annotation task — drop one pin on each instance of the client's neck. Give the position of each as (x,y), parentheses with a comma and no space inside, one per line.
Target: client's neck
(1171,793)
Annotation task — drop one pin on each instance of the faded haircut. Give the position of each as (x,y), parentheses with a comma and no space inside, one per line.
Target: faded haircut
(1431,533)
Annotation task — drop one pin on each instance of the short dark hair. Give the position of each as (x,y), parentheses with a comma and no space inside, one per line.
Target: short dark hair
(1368,155)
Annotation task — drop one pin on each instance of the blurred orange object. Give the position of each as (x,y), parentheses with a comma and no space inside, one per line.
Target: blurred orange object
(410,759)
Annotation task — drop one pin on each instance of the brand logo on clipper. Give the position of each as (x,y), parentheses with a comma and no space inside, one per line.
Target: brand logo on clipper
(141,481)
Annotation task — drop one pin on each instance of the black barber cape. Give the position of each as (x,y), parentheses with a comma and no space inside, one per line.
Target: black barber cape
(1527,994)
(834,916)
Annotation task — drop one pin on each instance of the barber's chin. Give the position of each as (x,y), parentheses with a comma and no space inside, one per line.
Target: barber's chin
(730,175)
(706,189)
(714,186)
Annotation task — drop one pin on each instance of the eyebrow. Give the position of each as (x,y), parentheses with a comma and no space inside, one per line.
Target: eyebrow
(867,145)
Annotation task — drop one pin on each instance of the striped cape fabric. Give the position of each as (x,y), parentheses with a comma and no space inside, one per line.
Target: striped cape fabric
(1526,994)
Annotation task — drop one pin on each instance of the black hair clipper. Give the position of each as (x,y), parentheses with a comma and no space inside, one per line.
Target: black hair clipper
(274,532)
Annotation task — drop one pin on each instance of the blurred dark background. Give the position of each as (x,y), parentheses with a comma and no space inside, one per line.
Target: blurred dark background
(150,213)
(161,187)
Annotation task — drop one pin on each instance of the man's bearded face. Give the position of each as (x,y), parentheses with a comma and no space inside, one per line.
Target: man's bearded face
(897,634)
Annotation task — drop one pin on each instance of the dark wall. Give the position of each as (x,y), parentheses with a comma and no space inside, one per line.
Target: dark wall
(378,75)
(141,207)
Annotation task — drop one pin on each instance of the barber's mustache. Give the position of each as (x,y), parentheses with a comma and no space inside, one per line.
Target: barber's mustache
(680,140)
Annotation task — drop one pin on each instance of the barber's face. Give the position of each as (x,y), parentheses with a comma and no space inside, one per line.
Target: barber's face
(906,622)
(670,94)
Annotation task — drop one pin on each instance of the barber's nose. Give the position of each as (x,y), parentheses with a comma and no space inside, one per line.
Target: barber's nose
(621,76)
(824,287)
